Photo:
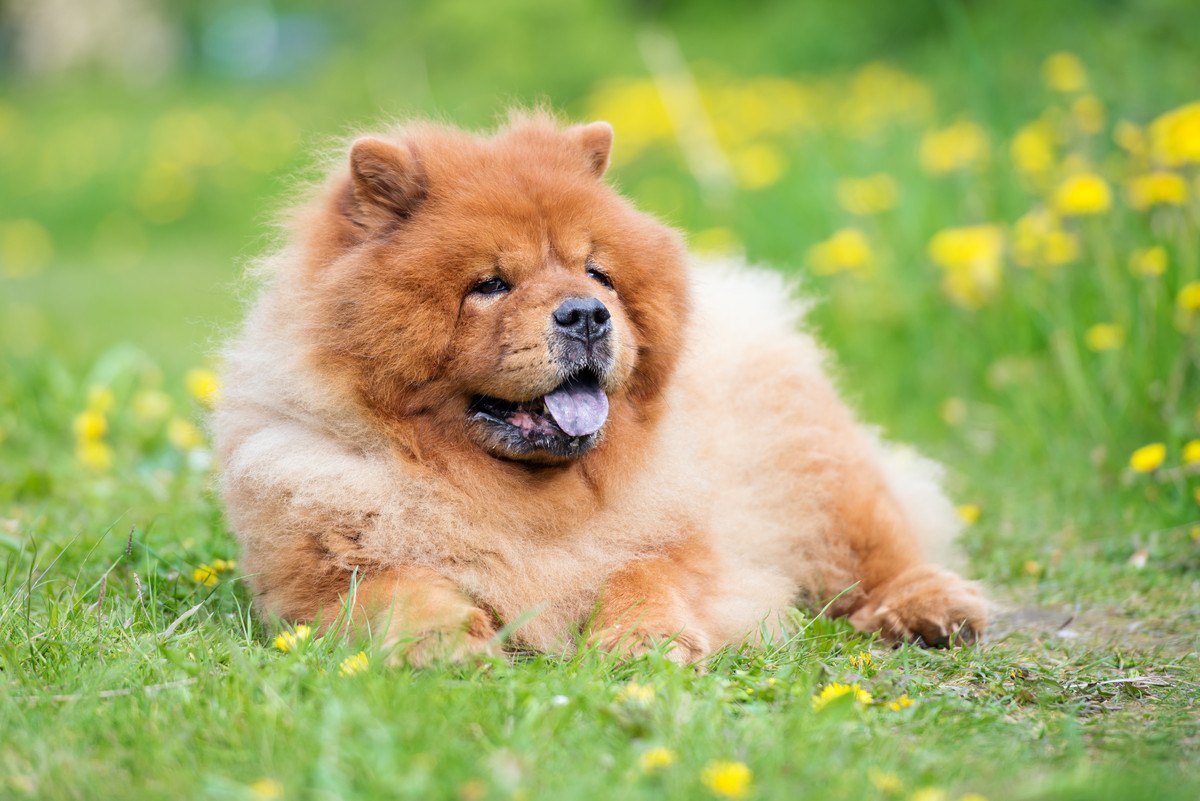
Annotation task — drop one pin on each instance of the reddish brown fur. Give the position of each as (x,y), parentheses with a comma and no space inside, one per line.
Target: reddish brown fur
(385,345)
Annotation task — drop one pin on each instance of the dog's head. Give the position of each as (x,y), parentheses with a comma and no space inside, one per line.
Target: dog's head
(496,290)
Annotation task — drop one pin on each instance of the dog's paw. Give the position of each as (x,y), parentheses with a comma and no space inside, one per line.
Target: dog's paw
(685,645)
(466,635)
(927,606)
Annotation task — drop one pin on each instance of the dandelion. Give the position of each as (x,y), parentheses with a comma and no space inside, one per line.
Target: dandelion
(150,405)
(928,794)
(1083,194)
(1104,336)
(94,455)
(100,399)
(203,385)
(205,575)
(970,260)
(635,694)
(1189,296)
(291,640)
(884,782)
(1064,72)
(1039,240)
(758,166)
(223,565)
(970,513)
(89,426)
(956,147)
(716,240)
(1191,452)
(903,702)
(832,692)
(861,661)
(1031,567)
(1150,261)
(1148,457)
(1088,113)
(1159,188)
(846,251)
(183,434)
(1175,136)
(1130,138)
(656,758)
(727,779)
(1032,149)
(868,195)
(266,790)
(353,665)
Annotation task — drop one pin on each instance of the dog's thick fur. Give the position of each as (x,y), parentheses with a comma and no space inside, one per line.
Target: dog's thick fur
(729,482)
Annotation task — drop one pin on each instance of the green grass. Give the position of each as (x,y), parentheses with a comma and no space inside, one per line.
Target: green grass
(122,676)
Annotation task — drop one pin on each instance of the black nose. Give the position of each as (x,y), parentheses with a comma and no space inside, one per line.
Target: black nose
(586,319)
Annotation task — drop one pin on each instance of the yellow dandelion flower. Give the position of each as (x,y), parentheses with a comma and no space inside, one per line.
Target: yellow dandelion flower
(636,694)
(94,454)
(1031,567)
(884,782)
(727,779)
(1148,457)
(656,758)
(1064,72)
(928,794)
(758,166)
(903,702)
(1159,188)
(203,385)
(959,146)
(1088,113)
(832,692)
(1191,452)
(970,513)
(1130,138)
(970,258)
(848,250)
(353,665)
(1175,136)
(716,240)
(1039,240)
(1083,194)
(1104,336)
(291,640)
(861,661)
(183,434)
(1032,149)
(1150,261)
(100,399)
(869,195)
(223,565)
(151,405)
(1189,296)
(266,790)
(206,575)
(89,426)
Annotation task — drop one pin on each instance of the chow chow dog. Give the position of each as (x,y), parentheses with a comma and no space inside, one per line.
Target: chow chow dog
(479,390)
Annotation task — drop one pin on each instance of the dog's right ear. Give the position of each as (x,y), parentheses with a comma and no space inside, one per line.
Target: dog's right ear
(386,183)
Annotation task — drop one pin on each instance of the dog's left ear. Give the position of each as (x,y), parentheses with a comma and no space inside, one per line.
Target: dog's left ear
(595,139)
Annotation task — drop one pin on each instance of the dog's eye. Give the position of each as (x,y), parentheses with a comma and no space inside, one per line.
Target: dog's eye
(490,286)
(599,277)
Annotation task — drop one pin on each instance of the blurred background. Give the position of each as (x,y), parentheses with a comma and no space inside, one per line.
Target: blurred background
(994,201)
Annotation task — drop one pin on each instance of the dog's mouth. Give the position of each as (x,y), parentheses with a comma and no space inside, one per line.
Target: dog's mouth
(565,422)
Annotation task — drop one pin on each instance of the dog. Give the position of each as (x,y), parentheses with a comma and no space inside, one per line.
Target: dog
(479,390)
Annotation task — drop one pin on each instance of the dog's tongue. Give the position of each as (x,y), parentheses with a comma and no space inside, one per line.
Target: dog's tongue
(579,407)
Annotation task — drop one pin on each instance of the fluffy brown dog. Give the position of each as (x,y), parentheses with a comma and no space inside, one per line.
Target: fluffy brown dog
(480,388)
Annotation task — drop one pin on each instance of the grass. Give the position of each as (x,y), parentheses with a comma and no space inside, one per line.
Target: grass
(122,675)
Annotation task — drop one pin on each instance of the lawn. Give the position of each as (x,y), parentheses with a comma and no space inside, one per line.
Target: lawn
(997,208)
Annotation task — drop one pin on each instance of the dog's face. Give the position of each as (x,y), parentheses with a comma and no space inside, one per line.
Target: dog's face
(497,290)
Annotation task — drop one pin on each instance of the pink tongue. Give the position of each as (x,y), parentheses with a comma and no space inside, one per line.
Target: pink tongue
(579,409)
